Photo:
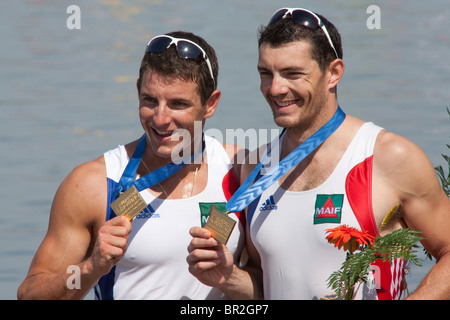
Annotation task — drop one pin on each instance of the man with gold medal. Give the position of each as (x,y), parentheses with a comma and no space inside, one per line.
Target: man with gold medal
(124,218)
(352,174)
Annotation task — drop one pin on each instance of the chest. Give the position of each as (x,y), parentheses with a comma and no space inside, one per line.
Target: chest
(288,219)
(310,173)
(160,233)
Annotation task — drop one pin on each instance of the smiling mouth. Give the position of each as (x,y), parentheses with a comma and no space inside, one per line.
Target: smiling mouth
(161,133)
(282,104)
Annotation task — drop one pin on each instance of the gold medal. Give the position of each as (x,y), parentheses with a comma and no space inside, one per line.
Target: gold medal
(129,203)
(220,225)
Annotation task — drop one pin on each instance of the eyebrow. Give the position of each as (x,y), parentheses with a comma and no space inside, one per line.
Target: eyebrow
(286,69)
(261,68)
(182,100)
(146,94)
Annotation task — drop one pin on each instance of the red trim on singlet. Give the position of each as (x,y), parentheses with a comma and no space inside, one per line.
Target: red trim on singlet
(358,187)
(230,184)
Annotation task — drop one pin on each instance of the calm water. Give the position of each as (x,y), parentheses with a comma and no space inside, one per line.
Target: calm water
(66,96)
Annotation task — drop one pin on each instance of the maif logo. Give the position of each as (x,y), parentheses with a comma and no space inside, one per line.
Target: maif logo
(206,207)
(269,205)
(328,208)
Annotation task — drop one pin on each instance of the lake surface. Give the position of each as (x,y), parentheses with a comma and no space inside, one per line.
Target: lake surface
(66,96)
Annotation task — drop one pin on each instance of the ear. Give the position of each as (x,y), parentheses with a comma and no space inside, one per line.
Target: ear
(211,104)
(336,70)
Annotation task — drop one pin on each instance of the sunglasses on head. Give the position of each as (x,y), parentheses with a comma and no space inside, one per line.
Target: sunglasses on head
(186,49)
(304,18)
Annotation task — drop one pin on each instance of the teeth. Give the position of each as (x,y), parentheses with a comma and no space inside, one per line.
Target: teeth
(284,103)
(163,133)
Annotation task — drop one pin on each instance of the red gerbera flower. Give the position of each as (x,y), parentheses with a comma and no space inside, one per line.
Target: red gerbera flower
(348,237)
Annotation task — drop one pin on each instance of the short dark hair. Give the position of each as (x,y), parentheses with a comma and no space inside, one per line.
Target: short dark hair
(168,63)
(286,31)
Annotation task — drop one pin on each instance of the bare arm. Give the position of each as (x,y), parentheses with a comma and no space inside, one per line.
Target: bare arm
(77,213)
(408,174)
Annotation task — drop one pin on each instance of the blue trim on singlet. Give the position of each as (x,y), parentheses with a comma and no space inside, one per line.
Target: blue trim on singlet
(252,206)
(111,186)
(106,283)
(251,211)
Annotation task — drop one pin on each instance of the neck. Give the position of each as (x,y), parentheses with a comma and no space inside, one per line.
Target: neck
(193,156)
(152,161)
(180,185)
(295,136)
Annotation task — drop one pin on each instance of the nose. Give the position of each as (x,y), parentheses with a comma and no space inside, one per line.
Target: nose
(277,86)
(161,116)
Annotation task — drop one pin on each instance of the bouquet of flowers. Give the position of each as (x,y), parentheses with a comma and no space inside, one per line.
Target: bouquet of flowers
(363,249)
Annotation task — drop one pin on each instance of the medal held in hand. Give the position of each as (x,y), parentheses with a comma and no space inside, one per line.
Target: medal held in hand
(129,203)
(220,225)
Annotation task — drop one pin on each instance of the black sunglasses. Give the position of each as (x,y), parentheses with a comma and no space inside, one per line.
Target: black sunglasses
(305,18)
(186,49)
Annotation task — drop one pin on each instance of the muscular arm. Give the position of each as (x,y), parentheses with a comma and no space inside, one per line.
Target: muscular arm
(77,212)
(407,173)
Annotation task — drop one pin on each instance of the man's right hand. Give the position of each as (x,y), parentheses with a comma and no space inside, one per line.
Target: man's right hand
(209,261)
(111,244)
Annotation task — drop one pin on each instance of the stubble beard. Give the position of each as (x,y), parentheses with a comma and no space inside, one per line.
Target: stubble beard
(303,119)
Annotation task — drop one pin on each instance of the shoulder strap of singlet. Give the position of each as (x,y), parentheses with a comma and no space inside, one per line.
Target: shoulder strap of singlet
(358,184)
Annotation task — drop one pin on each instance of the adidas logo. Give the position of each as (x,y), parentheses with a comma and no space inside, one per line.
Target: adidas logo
(269,205)
(147,213)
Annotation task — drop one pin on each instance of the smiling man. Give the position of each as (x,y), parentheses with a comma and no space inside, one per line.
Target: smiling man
(144,258)
(340,171)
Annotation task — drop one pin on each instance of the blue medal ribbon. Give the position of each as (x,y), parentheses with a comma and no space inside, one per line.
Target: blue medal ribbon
(152,178)
(246,193)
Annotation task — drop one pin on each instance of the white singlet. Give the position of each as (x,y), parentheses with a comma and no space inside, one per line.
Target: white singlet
(288,229)
(154,265)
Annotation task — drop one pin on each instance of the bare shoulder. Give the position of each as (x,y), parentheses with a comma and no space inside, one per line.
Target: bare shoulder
(403,174)
(397,155)
(78,210)
(234,150)
(88,173)
(237,155)
(84,190)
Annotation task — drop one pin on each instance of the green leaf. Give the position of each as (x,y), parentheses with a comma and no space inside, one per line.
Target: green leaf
(398,244)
